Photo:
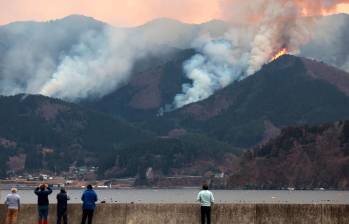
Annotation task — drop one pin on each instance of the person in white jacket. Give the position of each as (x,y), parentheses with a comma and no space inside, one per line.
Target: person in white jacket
(206,199)
(13,206)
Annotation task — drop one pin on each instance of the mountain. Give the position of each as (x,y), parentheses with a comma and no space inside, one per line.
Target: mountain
(58,36)
(65,32)
(176,155)
(45,48)
(304,157)
(286,92)
(289,91)
(39,133)
(147,90)
(122,132)
(52,134)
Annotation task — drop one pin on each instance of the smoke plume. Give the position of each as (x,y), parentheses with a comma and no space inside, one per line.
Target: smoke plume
(79,58)
(219,63)
(273,25)
(330,42)
(97,65)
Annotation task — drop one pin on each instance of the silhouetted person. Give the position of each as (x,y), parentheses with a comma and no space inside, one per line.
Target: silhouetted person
(62,206)
(206,199)
(43,191)
(13,205)
(89,198)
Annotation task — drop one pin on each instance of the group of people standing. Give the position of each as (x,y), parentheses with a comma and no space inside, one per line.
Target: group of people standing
(89,199)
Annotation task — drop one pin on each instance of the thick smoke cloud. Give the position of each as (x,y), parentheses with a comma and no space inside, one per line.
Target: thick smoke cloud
(78,57)
(330,43)
(218,64)
(274,24)
(31,52)
(72,59)
(94,67)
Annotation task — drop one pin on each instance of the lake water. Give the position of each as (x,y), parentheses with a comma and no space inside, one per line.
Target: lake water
(189,196)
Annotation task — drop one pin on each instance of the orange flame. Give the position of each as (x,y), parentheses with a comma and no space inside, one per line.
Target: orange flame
(279,54)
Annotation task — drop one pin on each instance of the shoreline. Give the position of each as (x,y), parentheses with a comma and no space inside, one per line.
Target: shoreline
(187,196)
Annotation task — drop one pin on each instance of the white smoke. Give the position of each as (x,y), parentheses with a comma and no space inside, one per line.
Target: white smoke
(281,26)
(273,25)
(79,58)
(330,42)
(26,65)
(31,52)
(96,66)
(217,65)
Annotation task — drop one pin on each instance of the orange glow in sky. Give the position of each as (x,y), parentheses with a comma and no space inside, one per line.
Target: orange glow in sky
(343,8)
(115,12)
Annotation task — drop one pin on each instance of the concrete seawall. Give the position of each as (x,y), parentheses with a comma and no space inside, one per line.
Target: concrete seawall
(189,214)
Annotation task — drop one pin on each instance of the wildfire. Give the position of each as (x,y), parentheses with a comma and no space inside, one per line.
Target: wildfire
(279,54)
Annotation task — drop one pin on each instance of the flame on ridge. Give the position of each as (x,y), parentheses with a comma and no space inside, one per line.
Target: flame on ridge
(279,54)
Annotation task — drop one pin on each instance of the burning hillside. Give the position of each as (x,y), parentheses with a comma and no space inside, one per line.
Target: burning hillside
(279,54)
(270,25)
(97,59)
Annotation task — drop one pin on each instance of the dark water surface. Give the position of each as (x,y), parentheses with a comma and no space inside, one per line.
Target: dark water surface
(189,196)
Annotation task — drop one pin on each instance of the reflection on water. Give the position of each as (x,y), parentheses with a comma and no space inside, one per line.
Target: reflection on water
(189,196)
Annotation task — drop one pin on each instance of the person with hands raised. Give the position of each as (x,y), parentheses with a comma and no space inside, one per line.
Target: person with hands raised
(43,191)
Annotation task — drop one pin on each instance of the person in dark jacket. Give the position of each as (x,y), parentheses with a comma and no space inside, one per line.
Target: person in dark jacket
(62,206)
(43,191)
(89,198)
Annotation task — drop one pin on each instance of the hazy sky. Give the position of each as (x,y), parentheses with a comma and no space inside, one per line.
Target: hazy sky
(116,12)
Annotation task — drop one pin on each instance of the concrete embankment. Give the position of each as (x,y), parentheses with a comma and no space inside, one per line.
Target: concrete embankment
(190,214)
